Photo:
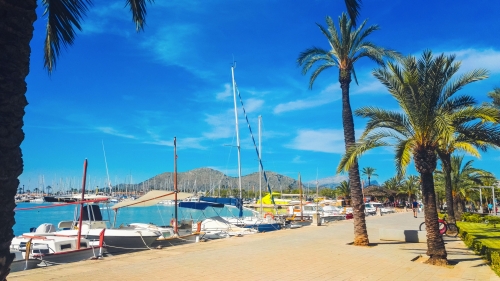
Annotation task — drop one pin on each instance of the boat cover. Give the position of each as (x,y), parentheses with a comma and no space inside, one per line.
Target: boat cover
(151,198)
(199,205)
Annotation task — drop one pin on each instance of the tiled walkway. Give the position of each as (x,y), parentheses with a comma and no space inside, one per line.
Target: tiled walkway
(309,253)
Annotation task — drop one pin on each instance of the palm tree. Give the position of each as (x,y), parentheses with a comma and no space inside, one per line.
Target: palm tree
(347,47)
(468,138)
(464,177)
(410,187)
(495,96)
(343,190)
(16,27)
(422,90)
(369,172)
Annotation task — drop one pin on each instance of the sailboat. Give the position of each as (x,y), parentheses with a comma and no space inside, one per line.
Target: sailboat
(260,222)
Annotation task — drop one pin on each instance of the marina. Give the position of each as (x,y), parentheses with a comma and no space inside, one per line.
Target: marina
(326,250)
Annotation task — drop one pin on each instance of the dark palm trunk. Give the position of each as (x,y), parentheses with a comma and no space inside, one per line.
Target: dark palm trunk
(16,31)
(450,209)
(358,206)
(459,207)
(425,163)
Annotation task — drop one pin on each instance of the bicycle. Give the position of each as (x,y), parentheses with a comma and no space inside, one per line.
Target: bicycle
(448,229)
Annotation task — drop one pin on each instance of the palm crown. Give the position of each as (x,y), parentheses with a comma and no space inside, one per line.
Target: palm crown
(425,93)
(64,16)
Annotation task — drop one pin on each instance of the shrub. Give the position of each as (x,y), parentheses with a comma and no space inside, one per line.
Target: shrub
(492,220)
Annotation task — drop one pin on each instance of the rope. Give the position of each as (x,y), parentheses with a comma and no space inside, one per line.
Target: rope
(140,233)
(256,148)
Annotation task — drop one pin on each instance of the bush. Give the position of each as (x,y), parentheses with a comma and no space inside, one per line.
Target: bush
(492,220)
(492,255)
(468,217)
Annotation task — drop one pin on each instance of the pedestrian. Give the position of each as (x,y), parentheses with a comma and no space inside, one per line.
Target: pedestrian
(490,208)
(415,207)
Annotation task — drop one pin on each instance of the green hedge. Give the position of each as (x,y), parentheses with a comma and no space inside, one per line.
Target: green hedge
(487,246)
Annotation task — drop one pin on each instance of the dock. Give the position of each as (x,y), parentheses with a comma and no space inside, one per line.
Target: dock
(310,253)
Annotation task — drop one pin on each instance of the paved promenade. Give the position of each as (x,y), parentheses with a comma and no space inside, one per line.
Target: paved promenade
(308,253)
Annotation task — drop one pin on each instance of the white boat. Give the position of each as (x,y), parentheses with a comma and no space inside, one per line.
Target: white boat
(117,240)
(51,249)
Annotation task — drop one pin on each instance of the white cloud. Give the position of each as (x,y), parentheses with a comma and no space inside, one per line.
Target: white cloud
(111,131)
(326,96)
(222,125)
(297,160)
(252,105)
(477,58)
(224,94)
(175,45)
(372,87)
(325,140)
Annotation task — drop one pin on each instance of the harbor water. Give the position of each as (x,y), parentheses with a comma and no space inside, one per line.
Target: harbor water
(157,214)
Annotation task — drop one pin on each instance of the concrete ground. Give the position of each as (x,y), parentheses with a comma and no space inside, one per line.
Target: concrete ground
(309,253)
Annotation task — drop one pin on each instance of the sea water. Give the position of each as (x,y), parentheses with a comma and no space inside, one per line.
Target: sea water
(158,214)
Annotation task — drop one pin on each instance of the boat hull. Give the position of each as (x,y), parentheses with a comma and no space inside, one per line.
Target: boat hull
(265,227)
(67,257)
(21,265)
(125,244)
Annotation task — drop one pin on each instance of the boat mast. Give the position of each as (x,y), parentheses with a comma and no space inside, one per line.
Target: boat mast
(260,168)
(300,198)
(175,184)
(107,172)
(81,206)
(237,138)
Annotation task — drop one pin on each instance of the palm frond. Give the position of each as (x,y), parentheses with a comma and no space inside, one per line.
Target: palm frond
(353,7)
(355,151)
(63,17)
(138,9)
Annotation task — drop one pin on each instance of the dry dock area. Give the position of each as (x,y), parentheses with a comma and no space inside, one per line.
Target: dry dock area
(309,253)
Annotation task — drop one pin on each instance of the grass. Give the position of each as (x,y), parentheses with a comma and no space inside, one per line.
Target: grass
(483,239)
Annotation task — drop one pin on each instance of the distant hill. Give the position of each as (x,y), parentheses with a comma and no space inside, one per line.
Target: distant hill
(206,179)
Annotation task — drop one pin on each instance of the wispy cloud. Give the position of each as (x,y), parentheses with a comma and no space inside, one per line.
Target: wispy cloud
(221,126)
(174,45)
(326,96)
(224,94)
(252,105)
(325,140)
(478,58)
(297,160)
(114,132)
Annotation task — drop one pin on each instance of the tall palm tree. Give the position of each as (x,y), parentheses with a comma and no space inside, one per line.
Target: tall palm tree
(348,46)
(464,177)
(369,172)
(426,99)
(468,137)
(16,28)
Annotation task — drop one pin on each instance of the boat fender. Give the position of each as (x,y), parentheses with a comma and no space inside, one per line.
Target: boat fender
(172,222)
(198,226)
(269,215)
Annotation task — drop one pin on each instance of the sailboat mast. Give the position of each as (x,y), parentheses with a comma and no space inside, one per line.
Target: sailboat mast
(300,198)
(107,172)
(260,168)
(175,184)
(237,131)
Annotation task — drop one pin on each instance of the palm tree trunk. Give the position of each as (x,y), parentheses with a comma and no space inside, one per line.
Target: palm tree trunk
(358,206)
(425,163)
(16,31)
(446,161)
(459,207)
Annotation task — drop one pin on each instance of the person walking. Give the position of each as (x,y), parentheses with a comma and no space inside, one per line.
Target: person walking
(490,208)
(414,205)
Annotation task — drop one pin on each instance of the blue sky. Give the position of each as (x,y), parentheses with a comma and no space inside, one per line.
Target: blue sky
(135,91)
